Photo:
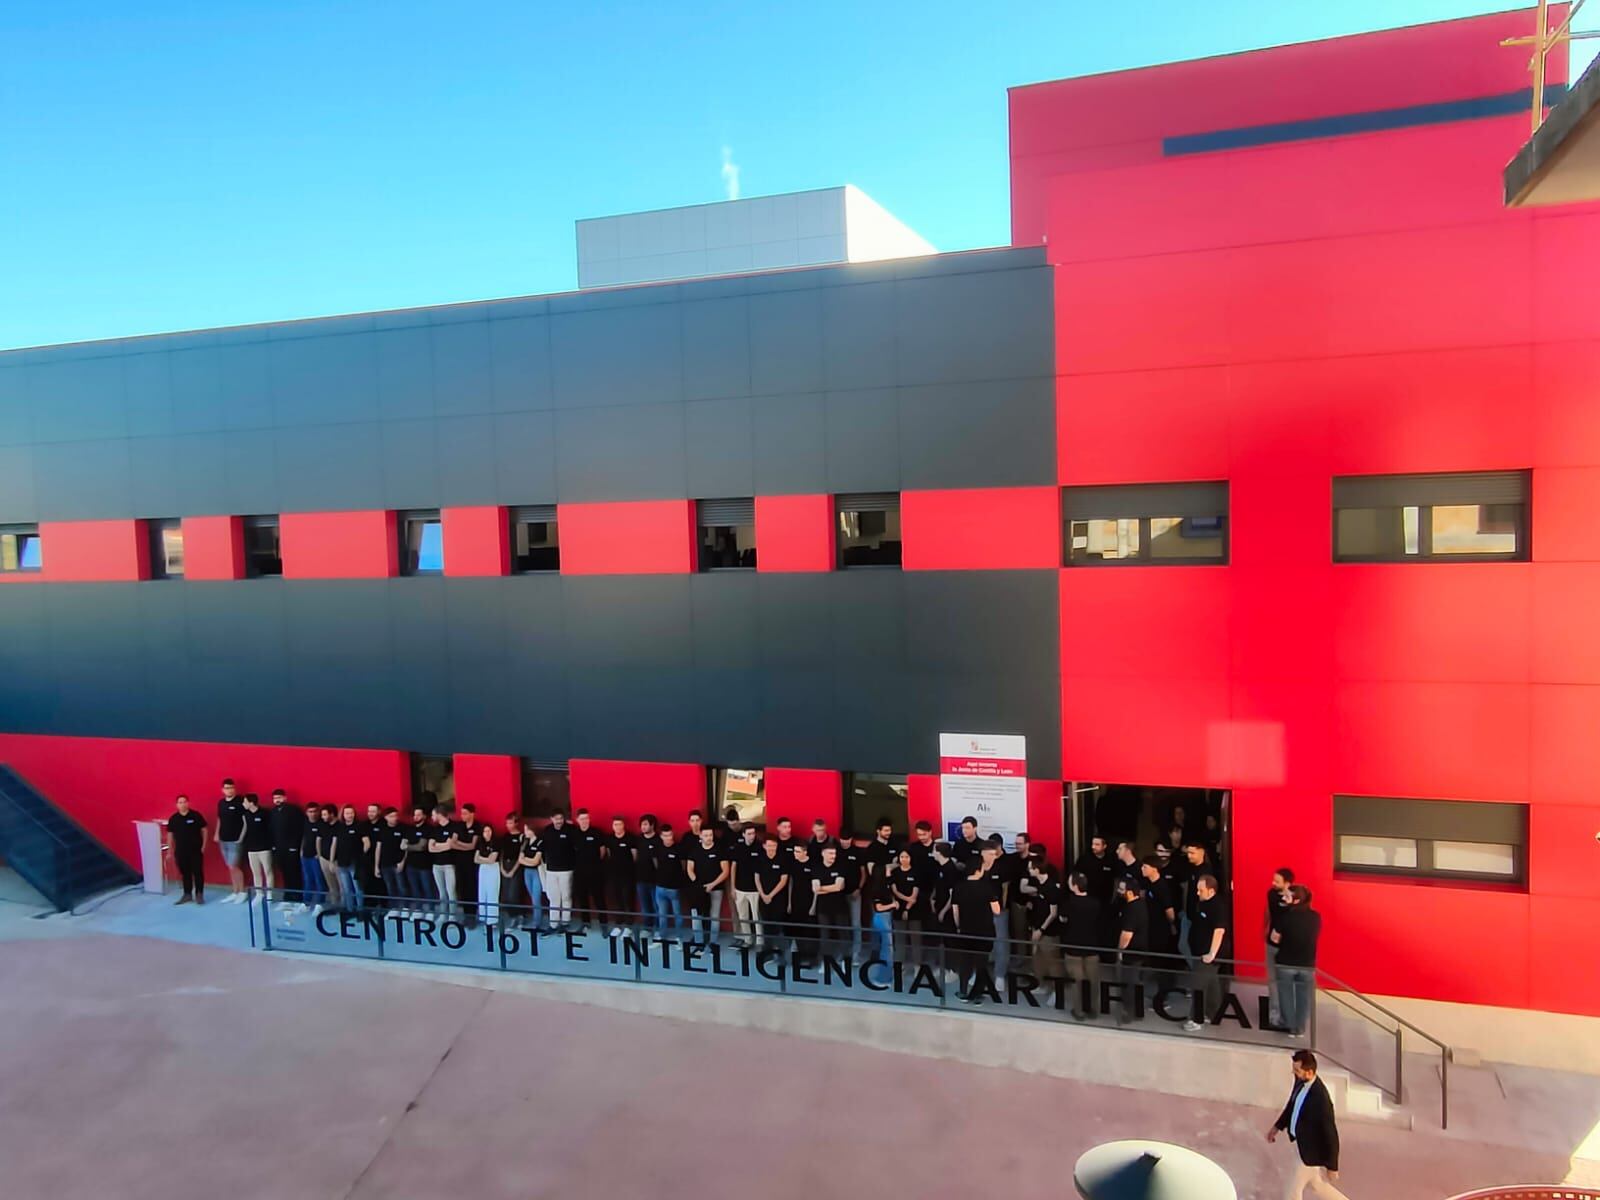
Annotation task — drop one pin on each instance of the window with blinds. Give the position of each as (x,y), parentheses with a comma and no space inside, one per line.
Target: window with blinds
(1464,840)
(726,531)
(1459,517)
(535,540)
(868,529)
(1147,524)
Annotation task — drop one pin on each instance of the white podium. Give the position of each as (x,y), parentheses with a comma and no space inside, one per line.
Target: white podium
(150,834)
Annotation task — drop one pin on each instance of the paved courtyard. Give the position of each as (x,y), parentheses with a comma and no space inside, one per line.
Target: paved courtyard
(140,1067)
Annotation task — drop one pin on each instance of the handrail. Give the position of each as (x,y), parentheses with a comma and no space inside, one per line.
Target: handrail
(6,768)
(1401,1024)
(62,853)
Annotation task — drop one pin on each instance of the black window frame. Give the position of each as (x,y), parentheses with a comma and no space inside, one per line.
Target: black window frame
(20,532)
(865,502)
(1144,502)
(252,564)
(716,790)
(1425,822)
(533,806)
(534,514)
(730,513)
(860,816)
(154,530)
(404,519)
(1425,491)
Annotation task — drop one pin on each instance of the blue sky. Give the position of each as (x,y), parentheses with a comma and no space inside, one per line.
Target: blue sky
(173,165)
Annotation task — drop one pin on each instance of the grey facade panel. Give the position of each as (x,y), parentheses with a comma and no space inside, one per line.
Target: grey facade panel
(873,378)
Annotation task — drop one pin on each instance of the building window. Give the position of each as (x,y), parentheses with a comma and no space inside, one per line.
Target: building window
(262,557)
(19,549)
(535,544)
(869,798)
(1150,524)
(1434,518)
(166,548)
(546,789)
(1432,839)
(421,543)
(727,534)
(869,529)
(433,781)
(738,788)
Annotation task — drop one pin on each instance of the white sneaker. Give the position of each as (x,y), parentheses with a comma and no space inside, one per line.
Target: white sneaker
(1192,1027)
(616,931)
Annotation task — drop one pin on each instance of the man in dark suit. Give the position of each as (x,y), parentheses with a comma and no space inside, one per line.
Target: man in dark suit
(1308,1120)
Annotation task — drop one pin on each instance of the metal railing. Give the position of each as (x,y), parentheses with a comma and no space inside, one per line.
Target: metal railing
(1391,1032)
(923,968)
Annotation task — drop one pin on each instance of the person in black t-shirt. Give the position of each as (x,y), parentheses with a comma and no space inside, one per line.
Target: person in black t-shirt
(820,837)
(1207,928)
(258,844)
(976,906)
(441,853)
(643,845)
(558,847)
(371,827)
(911,907)
(921,846)
(350,846)
(1044,921)
(619,875)
(486,858)
(314,885)
(288,824)
(746,855)
(1277,900)
(1133,941)
(464,856)
(330,873)
(1299,927)
(230,839)
(939,879)
(388,852)
(186,833)
(667,859)
(1099,868)
(589,875)
(802,914)
(706,871)
(1082,933)
(418,862)
(786,843)
(772,887)
(968,848)
(828,882)
(1161,907)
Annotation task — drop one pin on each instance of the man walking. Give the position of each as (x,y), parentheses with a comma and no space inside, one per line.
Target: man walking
(187,831)
(1308,1120)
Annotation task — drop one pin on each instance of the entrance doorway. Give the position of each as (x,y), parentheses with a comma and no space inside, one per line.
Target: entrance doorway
(1145,815)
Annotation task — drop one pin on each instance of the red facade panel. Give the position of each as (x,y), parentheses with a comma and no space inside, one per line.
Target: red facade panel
(213,548)
(88,777)
(339,545)
(981,529)
(795,533)
(491,783)
(643,537)
(803,796)
(923,803)
(477,541)
(1278,316)
(631,789)
(93,551)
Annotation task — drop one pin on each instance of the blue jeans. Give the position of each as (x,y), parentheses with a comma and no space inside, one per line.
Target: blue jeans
(883,938)
(394,885)
(1296,995)
(419,885)
(669,912)
(1001,958)
(350,887)
(535,886)
(646,895)
(316,887)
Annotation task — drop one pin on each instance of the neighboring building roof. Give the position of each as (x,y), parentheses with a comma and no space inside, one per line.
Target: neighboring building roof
(1560,164)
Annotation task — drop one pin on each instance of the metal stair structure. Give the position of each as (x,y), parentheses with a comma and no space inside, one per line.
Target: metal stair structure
(55,855)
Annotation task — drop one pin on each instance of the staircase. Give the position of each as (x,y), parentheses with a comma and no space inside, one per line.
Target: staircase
(51,851)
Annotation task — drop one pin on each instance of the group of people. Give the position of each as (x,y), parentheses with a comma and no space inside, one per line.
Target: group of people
(972,904)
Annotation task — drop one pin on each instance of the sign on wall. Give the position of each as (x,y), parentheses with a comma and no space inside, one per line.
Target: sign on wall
(984,775)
